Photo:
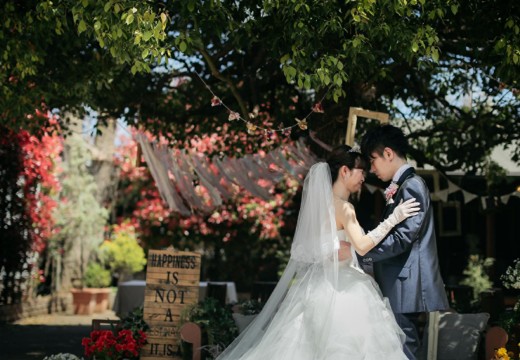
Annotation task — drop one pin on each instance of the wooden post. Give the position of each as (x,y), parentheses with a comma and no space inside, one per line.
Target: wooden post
(433,334)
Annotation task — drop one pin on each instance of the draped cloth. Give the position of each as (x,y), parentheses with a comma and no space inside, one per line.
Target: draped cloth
(189,181)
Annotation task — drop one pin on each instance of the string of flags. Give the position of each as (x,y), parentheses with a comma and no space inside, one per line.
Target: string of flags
(252,127)
(442,195)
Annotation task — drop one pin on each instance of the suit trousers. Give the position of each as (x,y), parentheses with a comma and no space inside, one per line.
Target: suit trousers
(409,323)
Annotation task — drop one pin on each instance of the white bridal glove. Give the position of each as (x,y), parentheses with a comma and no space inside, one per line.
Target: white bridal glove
(401,212)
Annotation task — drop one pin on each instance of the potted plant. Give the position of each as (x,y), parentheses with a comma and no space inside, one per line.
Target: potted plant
(94,295)
(105,345)
(245,312)
(477,278)
(217,325)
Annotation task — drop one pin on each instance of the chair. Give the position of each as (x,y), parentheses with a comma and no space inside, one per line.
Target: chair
(105,324)
(496,337)
(192,334)
(261,290)
(218,292)
(456,336)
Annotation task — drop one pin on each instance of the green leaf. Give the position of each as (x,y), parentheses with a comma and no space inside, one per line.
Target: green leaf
(415,46)
(147,35)
(307,83)
(183,46)
(82,26)
(191,6)
(435,54)
(129,19)
(145,53)
(454,9)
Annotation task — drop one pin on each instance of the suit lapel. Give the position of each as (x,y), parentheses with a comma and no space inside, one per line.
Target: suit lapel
(405,175)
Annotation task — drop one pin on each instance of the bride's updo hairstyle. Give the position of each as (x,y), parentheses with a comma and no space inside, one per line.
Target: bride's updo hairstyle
(344,155)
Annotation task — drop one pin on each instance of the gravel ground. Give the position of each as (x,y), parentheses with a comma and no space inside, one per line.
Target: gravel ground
(40,336)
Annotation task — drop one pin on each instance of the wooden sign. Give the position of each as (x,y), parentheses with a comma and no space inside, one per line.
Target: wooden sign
(172,282)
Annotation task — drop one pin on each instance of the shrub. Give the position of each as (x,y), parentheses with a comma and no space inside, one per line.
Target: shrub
(96,276)
(123,254)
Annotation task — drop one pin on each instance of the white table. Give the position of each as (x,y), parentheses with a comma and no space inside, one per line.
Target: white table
(130,294)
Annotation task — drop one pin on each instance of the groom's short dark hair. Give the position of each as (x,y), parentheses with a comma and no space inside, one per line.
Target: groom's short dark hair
(376,139)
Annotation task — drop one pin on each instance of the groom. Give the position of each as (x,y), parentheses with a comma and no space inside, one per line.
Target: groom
(405,263)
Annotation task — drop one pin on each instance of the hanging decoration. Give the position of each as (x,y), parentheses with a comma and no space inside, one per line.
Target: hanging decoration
(190,182)
(252,128)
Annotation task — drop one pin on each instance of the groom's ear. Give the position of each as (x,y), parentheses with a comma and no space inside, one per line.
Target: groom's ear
(388,153)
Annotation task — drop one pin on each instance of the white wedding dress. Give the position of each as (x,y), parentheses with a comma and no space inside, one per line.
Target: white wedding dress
(322,308)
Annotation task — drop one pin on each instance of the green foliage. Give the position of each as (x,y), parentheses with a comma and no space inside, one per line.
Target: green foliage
(96,276)
(476,276)
(123,253)
(250,307)
(216,322)
(510,318)
(135,321)
(79,217)
(414,59)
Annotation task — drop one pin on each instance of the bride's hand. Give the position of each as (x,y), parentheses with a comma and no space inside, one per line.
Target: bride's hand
(406,209)
(344,252)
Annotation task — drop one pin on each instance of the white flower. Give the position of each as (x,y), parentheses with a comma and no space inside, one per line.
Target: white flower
(511,278)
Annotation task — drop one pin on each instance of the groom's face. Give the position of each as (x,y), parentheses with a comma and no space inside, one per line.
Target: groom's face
(380,165)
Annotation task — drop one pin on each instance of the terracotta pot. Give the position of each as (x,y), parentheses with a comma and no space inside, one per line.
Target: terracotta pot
(84,301)
(102,299)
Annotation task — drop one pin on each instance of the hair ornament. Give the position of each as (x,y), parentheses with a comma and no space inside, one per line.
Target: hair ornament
(355,149)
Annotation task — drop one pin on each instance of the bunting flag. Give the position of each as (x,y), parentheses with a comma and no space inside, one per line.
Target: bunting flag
(371,189)
(442,195)
(468,196)
(505,199)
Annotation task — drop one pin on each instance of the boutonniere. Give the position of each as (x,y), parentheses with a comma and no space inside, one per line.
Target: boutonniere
(390,192)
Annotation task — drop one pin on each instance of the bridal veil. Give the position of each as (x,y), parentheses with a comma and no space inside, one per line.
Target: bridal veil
(313,260)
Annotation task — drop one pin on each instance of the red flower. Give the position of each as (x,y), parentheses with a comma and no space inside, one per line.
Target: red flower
(103,344)
(318,108)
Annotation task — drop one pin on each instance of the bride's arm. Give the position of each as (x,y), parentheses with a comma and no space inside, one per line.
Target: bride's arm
(364,243)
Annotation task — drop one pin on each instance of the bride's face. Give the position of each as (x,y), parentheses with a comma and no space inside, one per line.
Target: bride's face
(355,180)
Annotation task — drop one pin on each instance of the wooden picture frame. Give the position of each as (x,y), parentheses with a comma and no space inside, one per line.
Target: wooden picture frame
(353,114)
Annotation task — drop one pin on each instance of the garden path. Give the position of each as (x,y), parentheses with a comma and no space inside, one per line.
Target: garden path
(40,336)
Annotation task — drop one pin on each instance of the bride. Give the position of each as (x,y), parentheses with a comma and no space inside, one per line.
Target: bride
(325,306)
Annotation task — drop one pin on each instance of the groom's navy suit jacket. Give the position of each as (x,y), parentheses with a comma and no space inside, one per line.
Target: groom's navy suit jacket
(405,263)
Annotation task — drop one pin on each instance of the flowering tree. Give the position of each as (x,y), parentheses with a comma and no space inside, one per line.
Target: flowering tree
(246,232)
(28,183)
